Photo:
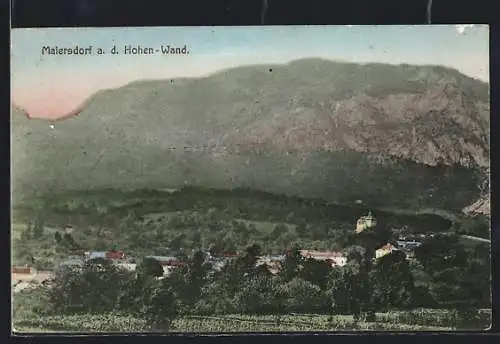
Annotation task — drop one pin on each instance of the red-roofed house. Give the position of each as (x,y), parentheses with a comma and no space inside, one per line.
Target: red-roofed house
(23,270)
(229,254)
(115,255)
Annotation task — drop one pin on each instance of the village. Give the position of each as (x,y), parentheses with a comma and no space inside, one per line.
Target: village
(405,242)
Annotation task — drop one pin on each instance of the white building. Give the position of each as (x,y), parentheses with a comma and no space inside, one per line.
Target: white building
(127,266)
(132,267)
(385,250)
(95,254)
(335,258)
(408,244)
(340,260)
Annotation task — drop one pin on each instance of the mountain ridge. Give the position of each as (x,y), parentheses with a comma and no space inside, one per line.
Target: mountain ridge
(89,98)
(290,121)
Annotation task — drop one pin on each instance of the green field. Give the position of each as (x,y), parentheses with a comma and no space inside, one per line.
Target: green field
(226,323)
(263,227)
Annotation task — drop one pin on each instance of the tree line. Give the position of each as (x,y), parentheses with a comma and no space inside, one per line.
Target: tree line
(362,287)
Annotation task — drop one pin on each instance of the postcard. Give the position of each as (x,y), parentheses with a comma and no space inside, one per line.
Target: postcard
(250,179)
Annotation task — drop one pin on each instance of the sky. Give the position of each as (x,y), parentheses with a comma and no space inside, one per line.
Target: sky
(52,85)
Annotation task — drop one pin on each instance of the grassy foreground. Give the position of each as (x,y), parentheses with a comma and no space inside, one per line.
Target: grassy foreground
(26,319)
(225,323)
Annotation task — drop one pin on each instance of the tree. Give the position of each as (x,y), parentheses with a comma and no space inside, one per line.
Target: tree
(216,299)
(97,263)
(293,263)
(216,247)
(27,233)
(256,294)
(94,287)
(354,285)
(441,251)
(371,240)
(422,280)
(230,241)
(338,291)
(68,240)
(458,275)
(474,225)
(133,296)
(249,259)
(315,272)
(149,267)
(392,282)
(252,228)
(478,278)
(278,230)
(38,225)
(304,296)
(182,255)
(196,239)
(128,222)
(58,238)
(196,277)
(160,307)
(230,278)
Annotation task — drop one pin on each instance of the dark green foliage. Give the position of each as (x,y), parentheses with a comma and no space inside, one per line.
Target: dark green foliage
(99,286)
(189,281)
(38,225)
(69,241)
(315,272)
(58,238)
(392,281)
(447,272)
(440,252)
(249,259)
(357,288)
(96,287)
(372,239)
(278,231)
(160,307)
(356,282)
(303,297)
(291,266)
(27,234)
(213,213)
(256,295)
(455,271)
(149,267)
(478,225)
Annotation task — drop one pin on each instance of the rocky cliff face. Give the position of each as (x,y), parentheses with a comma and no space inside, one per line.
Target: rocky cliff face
(482,206)
(399,135)
(440,126)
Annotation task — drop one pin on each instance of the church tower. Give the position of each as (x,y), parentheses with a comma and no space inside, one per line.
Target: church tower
(366,222)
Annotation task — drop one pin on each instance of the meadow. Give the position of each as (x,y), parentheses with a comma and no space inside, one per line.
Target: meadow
(112,322)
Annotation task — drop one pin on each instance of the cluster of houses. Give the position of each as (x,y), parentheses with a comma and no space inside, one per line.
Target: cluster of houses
(273,263)
(405,242)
